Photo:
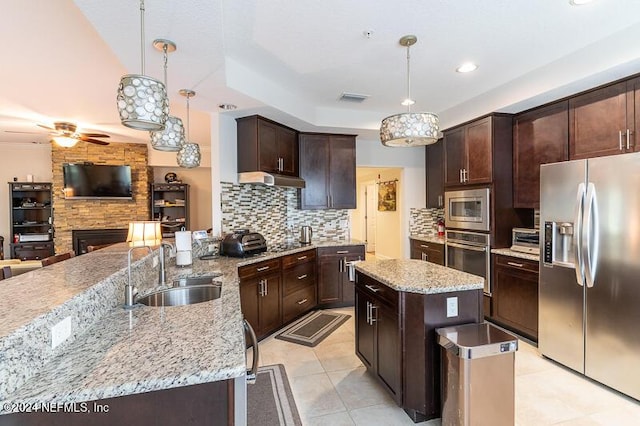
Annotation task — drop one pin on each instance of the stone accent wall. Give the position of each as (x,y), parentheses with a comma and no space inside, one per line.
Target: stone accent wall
(272,210)
(424,221)
(99,214)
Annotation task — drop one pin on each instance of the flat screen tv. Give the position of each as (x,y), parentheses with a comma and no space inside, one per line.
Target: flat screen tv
(96,181)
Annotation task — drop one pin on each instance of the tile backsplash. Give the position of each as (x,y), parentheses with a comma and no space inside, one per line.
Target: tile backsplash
(424,221)
(272,211)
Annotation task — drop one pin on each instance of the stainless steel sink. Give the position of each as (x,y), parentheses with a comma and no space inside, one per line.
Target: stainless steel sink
(178,296)
(201,280)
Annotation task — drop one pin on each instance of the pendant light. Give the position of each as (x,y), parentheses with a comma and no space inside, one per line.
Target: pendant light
(142,100)
(189,154)
(172,137)
(409,128)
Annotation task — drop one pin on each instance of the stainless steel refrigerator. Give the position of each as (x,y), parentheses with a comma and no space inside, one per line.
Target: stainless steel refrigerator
(589,297)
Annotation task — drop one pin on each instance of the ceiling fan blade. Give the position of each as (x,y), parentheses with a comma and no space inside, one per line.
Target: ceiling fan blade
(96,141)
(17,131)
(45,127)
(93,135)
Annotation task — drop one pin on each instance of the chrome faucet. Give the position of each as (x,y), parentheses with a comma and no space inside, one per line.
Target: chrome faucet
(162,278)
(129,289)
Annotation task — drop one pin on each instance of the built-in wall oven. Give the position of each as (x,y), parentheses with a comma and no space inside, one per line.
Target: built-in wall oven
(469,252)
(467,209)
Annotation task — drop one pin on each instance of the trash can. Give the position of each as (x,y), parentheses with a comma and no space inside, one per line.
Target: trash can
(477,375)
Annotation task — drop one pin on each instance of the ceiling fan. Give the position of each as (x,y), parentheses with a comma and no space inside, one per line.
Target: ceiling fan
(64,134)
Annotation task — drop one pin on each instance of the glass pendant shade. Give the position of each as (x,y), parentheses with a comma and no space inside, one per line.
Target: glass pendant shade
(409,129)
(189,155)
(142,102)
(171,138)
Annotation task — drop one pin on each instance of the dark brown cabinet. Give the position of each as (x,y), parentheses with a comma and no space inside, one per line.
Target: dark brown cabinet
(267,146)
(334,285)
(469,150)
(31,219)
(434,160)
(540,136)
(298,283)
(328,167)
(170,206)
(378,333)
(603,121)
(430,252)
(515,295)
(261,296)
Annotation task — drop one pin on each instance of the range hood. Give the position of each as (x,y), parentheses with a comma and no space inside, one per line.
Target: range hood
(270,179)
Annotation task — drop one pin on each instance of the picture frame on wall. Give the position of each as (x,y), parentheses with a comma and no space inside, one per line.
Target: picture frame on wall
(387,196)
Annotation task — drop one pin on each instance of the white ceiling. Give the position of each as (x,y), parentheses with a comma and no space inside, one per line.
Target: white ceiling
(291,59)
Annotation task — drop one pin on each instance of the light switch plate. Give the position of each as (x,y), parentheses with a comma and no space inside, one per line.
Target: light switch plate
(60,332)
(452,307)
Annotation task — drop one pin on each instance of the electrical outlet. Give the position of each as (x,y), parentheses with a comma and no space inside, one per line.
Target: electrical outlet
(452,307)
(211,248)
(60,332)
(155,261)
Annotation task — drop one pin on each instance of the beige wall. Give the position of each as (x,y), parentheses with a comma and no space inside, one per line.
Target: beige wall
(19,160)
(199,180)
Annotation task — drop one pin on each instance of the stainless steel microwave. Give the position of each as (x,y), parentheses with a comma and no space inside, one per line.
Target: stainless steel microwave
(467,209)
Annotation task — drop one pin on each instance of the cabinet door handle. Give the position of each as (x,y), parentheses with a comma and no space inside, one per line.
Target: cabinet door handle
(369,313)
(517,265)
(466,175)
(302,302)
(342,252)
(302,277)
(302,257)
(328,202)
(374,317)
(628,137)
(461,176)
(424,246)
(266,287)
(263,268)
(620,139)
(261,288)
(425,257)
(372,288)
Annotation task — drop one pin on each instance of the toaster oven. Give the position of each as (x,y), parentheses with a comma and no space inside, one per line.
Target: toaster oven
(525,240)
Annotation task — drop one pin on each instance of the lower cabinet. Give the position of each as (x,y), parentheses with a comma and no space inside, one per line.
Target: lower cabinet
(431,252)
(515,295)
(299,284)
(261,296)
(334,285)
(396,340)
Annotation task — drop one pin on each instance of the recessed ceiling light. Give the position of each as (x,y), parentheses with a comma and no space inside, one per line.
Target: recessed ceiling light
(467,67)
(227,107)
(579,2)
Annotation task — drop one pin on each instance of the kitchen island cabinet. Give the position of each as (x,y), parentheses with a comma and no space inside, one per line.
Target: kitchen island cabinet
(399,305)
(334,286)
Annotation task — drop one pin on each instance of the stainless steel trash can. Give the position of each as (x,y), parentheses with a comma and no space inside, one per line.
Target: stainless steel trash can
(477,375)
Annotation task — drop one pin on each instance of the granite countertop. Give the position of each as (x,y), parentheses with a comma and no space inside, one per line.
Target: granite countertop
(429,238)
(417,276)
(518,254)
(121,352)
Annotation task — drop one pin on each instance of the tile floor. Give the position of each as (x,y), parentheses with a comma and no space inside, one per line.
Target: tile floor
(331,387)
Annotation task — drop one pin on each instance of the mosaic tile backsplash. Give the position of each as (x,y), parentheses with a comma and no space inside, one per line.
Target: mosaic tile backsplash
(424,221)
(273,212)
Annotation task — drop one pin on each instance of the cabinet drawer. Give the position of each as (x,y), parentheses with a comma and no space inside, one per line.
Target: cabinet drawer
(298,302)
(292,260)
(517,263)
(300,276)
(266,267)
(344,250)
(35,251)
(373,288)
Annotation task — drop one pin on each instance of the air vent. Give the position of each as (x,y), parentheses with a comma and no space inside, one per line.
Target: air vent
(352,97)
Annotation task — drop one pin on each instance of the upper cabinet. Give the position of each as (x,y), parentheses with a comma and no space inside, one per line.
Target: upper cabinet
(328,167)
(540,136)
(603,121)
(434,163)
(266,146)
(469,150)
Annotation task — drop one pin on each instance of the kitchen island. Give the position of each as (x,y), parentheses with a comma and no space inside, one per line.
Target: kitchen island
(113,353)
(399,305)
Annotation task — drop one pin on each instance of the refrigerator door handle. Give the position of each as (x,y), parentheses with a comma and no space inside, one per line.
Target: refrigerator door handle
(577,235)
(591,238)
